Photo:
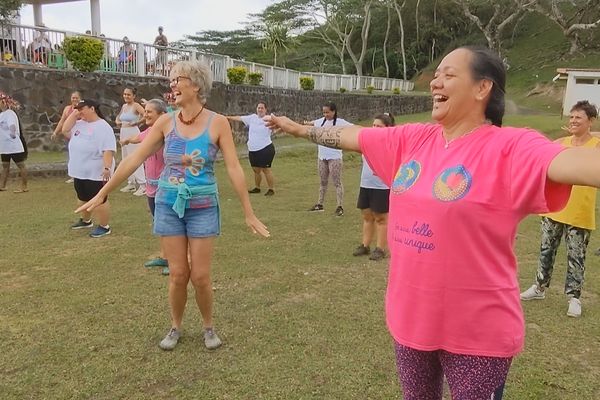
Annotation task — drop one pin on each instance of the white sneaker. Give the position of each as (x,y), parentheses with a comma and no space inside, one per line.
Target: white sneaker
(574,308)
(128,188)
(533,293)
(70,180)
(141,191)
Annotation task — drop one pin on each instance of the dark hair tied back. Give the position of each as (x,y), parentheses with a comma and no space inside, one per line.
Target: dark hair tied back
(331,105)
(486,64)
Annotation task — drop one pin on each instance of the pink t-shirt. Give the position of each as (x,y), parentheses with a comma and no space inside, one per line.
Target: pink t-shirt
(153,167)
(453,219)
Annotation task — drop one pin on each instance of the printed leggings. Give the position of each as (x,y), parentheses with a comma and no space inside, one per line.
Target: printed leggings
(422,374)
(331,168)
(577,240)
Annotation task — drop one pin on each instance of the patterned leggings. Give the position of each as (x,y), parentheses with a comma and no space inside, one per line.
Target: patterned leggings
(331,168)
(422,374)
(577,240)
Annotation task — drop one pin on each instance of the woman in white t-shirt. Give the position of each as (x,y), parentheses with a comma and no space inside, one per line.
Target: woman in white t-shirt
(12,143)
(261,150)
(374,203)
(92,146)
(330,162)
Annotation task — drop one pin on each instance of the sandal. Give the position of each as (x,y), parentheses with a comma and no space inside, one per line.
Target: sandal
(20,190)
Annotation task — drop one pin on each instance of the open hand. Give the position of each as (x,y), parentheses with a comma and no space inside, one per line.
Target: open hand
(256,226)
(284,124)
(90,205)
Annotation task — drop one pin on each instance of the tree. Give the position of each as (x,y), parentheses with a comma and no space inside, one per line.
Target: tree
(503,14)
(8,9)
(571,16)
(363,18)
(276,38)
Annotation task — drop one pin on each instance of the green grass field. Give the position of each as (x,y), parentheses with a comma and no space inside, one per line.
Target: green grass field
(301,317)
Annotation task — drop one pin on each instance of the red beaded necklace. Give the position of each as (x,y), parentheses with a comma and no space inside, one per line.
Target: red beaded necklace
(190,121)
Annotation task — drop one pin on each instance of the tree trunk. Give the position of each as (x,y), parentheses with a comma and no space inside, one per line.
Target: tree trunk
(385,42)
(402,49)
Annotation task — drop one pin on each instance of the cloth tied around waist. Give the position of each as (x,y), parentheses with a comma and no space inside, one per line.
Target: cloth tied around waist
(186,192)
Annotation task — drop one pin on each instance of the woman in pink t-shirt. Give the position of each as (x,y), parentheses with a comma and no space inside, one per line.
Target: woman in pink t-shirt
(459,188)
(153,167)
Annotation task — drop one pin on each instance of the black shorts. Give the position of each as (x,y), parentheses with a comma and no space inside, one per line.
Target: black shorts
(16,157)
(86,189)
(262,158)
(378,200)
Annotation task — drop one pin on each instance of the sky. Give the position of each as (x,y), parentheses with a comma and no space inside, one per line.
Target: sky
(139,19)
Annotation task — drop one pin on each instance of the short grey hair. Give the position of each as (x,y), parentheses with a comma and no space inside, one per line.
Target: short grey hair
(200,75)
(158,105)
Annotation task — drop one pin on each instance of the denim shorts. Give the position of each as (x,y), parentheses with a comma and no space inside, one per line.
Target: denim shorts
(196,222)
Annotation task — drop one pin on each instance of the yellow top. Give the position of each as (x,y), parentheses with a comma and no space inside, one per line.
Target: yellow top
(580,211)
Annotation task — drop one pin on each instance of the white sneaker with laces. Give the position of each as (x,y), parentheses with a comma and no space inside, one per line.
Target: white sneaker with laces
(574,308)
(129,188)
(141,191)
(533,293)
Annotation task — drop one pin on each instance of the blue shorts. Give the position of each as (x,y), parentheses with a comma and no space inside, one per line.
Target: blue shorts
(196,222)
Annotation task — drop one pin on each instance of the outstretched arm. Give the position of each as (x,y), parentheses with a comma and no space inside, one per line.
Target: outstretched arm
(336,137)
(236,174)
(234,118)
(576,166)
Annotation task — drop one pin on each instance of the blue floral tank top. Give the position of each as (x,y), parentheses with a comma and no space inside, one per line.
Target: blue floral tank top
(189,161)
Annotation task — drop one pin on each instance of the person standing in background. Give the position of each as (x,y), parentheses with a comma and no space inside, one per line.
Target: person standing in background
(128,119)
(12,142)
(261,150)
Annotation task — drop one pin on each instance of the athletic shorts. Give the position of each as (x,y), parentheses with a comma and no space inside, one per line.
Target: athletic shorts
(262,158)
(196,222)
(16,157)
(86,189)
(378,200)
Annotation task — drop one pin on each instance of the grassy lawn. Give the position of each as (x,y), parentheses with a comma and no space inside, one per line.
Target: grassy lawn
(300,316)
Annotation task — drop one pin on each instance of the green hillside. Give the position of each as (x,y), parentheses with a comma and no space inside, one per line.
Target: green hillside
(536,51)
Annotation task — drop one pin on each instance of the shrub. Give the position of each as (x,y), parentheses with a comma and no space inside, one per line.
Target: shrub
(370,89)
(307,83)
(83,52)
(380,72)
(236,75)
(396,90)
(255,78)
(342,90)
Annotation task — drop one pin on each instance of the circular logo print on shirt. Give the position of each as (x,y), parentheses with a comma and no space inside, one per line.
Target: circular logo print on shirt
(406,177)
(452,184)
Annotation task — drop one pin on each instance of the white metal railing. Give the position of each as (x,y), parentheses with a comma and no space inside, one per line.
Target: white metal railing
(42,46)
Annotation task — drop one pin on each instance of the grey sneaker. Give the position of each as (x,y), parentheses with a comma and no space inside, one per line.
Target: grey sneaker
(339,211)
(574,308)
(533,293)
(211,340)
(361,250)
(170,341)
(81,224)
(377,254)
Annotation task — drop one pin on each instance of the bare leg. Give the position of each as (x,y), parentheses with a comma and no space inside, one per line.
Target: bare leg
(381,227)
(23,173)
(177,250)
(5,171)
(85,215)
(269,177)
(368,227)
(201,250)
(102,214)
(257,177)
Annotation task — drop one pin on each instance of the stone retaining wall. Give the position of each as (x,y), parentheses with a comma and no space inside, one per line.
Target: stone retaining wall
(44,93)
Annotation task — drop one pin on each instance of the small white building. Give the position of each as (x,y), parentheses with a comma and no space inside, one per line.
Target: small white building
(582,84)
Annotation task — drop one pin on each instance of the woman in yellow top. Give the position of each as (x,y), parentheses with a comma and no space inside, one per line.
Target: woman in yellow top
(576,221)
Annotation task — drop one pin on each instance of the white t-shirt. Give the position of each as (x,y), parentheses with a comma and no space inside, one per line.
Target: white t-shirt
(10,135)
(325,153)
(259,136)
(88,142)
(368,179)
